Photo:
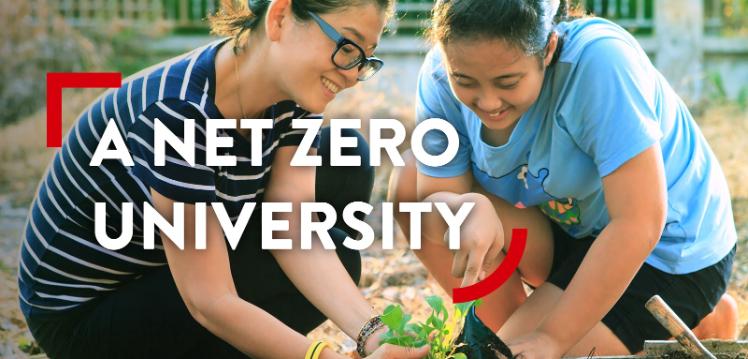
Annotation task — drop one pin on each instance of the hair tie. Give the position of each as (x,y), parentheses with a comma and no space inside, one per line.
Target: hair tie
(249,23)
(258,6)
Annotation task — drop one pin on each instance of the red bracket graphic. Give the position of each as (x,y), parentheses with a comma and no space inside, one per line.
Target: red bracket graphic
(56,81)
(500,275)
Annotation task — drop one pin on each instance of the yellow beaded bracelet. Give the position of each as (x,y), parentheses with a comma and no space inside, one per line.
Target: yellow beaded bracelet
(315,350)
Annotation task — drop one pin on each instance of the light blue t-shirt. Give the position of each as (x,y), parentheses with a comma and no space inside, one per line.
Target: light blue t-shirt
(601,104)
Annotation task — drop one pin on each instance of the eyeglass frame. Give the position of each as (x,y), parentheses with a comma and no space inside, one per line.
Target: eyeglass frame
(341,41)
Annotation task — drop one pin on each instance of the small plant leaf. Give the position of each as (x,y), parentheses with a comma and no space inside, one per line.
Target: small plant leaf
(463,308)
(439,330)
(435,322)
(437,304)
(406,319)
(393,317)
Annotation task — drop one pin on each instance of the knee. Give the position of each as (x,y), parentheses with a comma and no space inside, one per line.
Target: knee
(402,182)
(722,322)
(727,311)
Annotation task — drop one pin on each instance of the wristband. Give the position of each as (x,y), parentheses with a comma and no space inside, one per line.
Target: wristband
(315,350)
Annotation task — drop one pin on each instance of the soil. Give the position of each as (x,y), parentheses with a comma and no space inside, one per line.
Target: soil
(684,355)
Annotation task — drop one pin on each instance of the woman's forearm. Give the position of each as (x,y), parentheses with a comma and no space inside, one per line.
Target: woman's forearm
(321,277)
(324,281)
(203,279)
(607,269)
(252,330)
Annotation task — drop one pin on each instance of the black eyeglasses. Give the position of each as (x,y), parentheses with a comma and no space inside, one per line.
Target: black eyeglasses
(347,54)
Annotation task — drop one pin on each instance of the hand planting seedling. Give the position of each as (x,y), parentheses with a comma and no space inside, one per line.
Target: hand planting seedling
(439,330)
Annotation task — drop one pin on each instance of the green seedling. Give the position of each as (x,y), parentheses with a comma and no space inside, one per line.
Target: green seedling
(439,330)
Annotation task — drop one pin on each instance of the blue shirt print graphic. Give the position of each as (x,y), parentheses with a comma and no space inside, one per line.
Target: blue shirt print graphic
(564,211)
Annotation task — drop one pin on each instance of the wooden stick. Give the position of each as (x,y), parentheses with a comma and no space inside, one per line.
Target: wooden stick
(667,317)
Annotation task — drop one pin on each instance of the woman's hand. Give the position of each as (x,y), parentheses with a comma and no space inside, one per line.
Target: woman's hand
(373,345)
(536,345)
(389,351)
(481,241)
(374,340)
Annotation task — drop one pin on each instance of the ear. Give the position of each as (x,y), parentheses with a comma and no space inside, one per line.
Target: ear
(278,15)
(550,49)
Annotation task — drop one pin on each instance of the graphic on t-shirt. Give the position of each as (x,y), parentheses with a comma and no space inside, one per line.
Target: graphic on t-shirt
(562,211)
(522,176)
(524,189)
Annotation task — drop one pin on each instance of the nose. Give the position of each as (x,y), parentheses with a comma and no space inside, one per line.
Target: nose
(489,101)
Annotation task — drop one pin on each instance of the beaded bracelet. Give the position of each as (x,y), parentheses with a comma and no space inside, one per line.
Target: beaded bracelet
(371,326)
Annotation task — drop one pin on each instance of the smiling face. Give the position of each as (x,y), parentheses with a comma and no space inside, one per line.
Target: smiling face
(302,52)
(497,81)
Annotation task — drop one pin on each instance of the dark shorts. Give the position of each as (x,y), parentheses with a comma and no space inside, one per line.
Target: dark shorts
(692,296)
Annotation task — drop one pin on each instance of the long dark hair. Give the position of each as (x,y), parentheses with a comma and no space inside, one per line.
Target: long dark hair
(526,24)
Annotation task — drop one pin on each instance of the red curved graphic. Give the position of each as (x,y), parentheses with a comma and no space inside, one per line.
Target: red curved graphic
(500,275)
(56,81)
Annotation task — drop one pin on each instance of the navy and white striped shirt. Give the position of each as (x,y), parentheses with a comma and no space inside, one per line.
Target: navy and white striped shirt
(61,264)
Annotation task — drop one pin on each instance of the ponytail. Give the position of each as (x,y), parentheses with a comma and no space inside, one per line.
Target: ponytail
(237,18)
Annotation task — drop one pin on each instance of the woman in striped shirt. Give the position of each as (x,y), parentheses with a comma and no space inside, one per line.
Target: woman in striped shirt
(282,60)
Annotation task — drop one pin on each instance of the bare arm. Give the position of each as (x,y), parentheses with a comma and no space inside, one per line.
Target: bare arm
(433,189)
(427,185)
(481,235)
(347,308)
(203,278)
(636,198)
(204,282)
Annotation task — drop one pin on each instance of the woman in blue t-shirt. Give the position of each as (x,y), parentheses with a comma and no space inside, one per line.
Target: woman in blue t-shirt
(565,128)
(282,60)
